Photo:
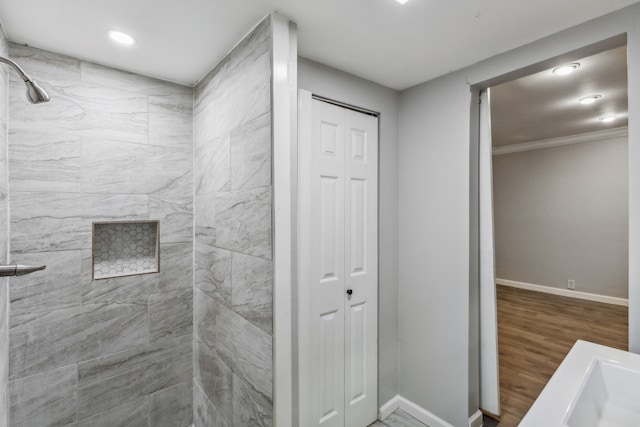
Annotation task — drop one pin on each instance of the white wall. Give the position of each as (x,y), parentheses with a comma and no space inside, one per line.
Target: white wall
(328,82)
(435,189)
(563,213)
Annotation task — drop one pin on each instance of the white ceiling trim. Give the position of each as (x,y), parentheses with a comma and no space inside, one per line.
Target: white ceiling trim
(600,135)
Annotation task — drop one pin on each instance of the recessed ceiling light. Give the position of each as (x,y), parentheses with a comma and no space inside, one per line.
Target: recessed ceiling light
(120,37)
(589,99)
(402,1)
(607,119)
(566,69)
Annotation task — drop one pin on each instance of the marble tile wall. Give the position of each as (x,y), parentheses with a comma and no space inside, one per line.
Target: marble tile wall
(4,233)
(233,307)
(110,146)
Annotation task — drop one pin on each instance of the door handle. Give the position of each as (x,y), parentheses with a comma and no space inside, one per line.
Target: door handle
(349,291)
(19,269)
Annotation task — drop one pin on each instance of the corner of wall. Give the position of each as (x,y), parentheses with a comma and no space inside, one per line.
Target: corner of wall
(284,131)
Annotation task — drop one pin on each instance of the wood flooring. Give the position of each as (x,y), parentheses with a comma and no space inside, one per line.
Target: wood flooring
(535,332)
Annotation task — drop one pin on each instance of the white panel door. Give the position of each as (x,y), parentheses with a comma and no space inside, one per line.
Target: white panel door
(337,253)
(327,280)
(361,258)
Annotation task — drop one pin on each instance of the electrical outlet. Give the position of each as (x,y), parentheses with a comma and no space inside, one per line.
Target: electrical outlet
(571,284)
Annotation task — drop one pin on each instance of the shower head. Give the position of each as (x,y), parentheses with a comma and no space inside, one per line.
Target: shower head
(35,93)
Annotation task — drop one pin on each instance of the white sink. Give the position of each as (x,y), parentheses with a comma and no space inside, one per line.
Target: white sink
(608,397)
(594,386)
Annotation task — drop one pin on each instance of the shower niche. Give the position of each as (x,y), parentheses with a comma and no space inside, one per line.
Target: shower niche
(125,248)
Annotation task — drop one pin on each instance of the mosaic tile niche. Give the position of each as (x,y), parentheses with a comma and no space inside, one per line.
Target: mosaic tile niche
(125,248)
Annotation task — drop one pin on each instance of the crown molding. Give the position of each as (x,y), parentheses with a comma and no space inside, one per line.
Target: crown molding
(565,140)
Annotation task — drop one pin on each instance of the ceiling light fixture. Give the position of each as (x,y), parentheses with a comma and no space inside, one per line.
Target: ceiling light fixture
(607,119)
(566,69)
(589,99)
(120,37)
(402,1)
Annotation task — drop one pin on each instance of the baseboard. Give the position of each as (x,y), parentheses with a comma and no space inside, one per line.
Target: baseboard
(387,409)
(564,292)
(476,419)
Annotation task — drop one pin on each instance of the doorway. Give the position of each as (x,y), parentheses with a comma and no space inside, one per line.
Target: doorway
(560,208)
(338,264)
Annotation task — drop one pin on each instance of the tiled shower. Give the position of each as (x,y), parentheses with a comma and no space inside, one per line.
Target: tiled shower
(233,275)
(191,343)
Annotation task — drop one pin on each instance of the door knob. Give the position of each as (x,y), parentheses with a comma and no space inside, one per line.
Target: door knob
(349,291)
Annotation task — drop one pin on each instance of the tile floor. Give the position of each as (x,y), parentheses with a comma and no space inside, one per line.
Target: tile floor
(399,418)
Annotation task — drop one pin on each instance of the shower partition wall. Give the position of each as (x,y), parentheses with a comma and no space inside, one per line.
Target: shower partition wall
(233,351)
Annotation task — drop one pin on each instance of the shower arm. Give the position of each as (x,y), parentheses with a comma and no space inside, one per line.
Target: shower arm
(18,68)
(19,270)
(35,94)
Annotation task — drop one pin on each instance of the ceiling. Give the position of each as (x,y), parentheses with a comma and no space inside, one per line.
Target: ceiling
(545,105)
(380,40)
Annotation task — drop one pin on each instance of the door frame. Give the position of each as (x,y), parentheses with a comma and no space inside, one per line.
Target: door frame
(489,364)
(302,300)
(305,126)
(632,40)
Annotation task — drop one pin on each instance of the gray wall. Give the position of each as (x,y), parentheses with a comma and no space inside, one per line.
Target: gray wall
(109,146)
(233,278)
(563,213)
(434,247)
(436,370)
(4,236)
(325,81)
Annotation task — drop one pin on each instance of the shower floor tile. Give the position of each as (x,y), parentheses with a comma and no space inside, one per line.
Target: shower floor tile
(399,418)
